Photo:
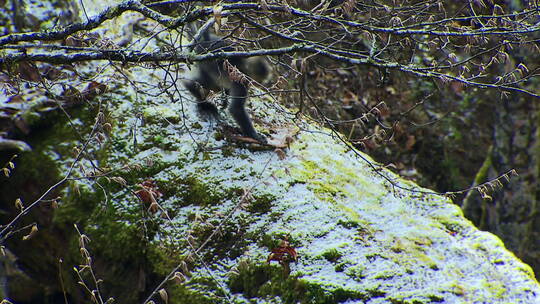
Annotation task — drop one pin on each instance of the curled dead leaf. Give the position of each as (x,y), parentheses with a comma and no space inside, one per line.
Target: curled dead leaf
(33,232)
(164,296)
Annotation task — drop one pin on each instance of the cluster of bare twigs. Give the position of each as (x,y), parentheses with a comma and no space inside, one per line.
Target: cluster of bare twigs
(86,275)
(444,41)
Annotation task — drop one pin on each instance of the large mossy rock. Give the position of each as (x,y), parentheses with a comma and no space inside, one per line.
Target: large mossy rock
(358,238)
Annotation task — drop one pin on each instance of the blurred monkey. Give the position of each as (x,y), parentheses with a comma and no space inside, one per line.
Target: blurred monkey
(216,75)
